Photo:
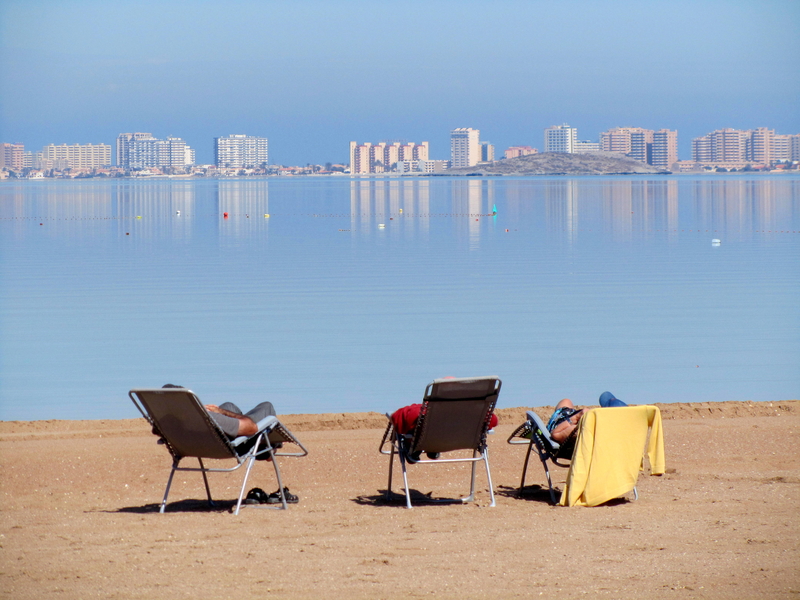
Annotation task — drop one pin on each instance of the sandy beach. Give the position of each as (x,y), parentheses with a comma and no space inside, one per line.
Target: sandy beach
(80,498)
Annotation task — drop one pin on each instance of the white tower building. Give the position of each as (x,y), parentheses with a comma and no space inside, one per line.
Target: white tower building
(241,151)
(560,138)
(465,147)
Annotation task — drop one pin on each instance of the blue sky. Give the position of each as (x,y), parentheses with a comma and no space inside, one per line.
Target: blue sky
(313,75)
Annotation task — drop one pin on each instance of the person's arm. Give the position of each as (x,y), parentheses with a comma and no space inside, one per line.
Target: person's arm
(564,429)
(247,426)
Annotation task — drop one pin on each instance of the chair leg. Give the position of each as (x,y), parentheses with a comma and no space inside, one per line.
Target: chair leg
(488,475)
(471,497)
(391,467)
(244,484)
(169,484)
(549,481)
(405,480)
(280,481)
(525,466)
(205,480)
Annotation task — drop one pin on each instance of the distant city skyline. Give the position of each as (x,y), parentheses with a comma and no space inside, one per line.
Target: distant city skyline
(306,76)
(728,148)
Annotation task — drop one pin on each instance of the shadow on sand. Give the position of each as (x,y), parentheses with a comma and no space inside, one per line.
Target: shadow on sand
(180,506)
(398,500)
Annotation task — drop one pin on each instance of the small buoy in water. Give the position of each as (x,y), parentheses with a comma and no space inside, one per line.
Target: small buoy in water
(41,223)
(391,218)
(138,217)
(494,209)
(126,233)
(715,242)
(506,230)
(177,212)
(401,211)
(225,215)
(381,225)
(266,215)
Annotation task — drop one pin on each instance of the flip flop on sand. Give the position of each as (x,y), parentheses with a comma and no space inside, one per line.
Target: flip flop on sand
(275,497)
(256,496)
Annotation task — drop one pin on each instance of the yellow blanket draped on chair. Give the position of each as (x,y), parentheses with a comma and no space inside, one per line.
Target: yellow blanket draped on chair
(609,453)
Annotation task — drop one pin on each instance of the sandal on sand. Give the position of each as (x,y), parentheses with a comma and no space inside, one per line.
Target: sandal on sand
(256,496)
(275,497)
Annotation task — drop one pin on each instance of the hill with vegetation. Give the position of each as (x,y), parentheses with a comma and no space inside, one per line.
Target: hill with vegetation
(558,163)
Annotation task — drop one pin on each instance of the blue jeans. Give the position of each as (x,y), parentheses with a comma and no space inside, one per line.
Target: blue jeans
(607,400)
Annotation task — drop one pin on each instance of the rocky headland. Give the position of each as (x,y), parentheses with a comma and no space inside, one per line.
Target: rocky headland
(557,163)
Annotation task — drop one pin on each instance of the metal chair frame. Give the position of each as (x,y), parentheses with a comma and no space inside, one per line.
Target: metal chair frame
(546,447)
(270,431)
(402,445)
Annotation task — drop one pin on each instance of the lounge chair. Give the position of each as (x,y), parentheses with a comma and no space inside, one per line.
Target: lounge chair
(534,433)
(455,415)
(609,454)
(178,417)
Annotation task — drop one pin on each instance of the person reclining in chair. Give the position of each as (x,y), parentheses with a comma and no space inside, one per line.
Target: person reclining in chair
(230,418)
(405,420)
(234,423)
(563,424)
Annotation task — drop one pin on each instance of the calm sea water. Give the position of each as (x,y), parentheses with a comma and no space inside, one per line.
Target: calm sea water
(352,295)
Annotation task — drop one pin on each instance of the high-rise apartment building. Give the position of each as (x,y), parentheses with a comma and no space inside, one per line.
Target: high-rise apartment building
(657,148)
(465,147)
(760,145)
(384,156)
(75,156)
(12,156)
(142,150)
(785,147)
(125,143)
(241,151)
(517,151)
(631,141)
(665,148)
(560,138)
(721,146)
(487,152)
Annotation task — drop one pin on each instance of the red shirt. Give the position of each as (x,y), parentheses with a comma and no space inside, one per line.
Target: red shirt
(405,419)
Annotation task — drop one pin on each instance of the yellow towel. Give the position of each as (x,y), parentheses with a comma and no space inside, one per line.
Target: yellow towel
(609,453)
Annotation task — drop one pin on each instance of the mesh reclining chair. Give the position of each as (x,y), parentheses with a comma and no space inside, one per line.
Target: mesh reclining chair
(455,415)
(178,417)
(609,454)
(534,433)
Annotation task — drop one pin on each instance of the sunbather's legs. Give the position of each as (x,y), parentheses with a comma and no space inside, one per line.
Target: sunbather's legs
(265,409)
(607,400)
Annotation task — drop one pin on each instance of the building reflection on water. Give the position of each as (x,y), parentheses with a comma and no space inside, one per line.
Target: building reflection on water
(246,202)
(409,201)
(620,207)
(388,199)
(166,207)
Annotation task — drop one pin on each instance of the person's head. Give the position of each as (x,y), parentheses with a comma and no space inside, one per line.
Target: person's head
(172,385)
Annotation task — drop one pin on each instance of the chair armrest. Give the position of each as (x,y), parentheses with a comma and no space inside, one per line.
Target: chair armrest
(263,425)
(539,425)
